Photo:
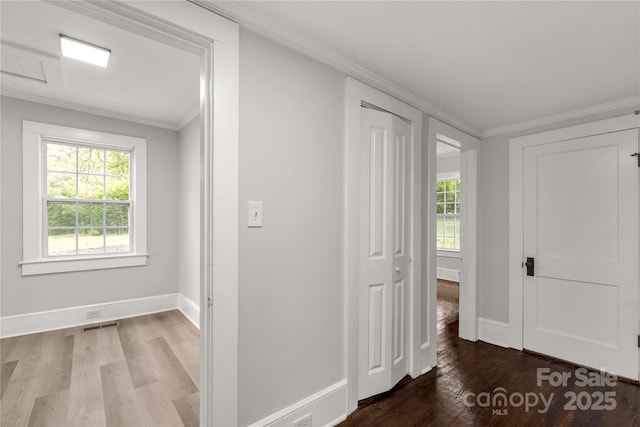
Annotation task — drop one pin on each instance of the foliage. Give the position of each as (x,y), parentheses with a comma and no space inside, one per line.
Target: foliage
(79,172)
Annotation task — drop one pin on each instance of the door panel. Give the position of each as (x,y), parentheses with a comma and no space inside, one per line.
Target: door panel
(581,225)
(383,255)
(401,138)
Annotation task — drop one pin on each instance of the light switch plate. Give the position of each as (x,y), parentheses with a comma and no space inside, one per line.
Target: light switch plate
(254,214)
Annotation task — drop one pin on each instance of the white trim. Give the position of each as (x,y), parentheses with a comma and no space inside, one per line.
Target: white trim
(619,104)
(35,261)
(190,310)
(326,406)
(448,253)
(493,332)
(448,274)
(31,268)
(270,30)
(355,93)
(50,320)
(516,200)
(469,147)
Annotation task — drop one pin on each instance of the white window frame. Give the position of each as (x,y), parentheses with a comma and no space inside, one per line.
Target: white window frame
(449,252)
(34,139)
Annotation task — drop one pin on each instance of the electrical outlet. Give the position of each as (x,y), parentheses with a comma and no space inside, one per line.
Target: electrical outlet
(304,421)
(93,314)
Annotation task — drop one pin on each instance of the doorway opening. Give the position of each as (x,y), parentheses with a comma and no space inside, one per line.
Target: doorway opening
(213,42)
(451,236)
(448,232)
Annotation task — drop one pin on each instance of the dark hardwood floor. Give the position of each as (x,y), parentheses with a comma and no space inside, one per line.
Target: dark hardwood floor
(464,389)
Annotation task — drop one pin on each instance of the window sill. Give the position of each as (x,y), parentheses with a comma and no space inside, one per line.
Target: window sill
(448,253)
(65,265)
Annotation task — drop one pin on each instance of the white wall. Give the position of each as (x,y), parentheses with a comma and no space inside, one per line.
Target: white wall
(291,285)
(448,164)
(22,295)
(493,218)
(189,211)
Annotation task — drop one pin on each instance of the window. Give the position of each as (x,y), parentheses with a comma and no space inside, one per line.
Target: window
(84,199)
(448,215)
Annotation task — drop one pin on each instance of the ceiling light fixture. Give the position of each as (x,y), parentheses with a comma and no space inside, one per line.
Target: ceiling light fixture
(83,51)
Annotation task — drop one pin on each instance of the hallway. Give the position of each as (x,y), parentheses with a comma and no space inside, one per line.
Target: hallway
(462,390)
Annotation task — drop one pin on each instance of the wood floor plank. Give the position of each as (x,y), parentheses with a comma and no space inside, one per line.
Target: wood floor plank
(92,419)
(6,371)
(50,410)
(120,404)
(188,354)
(158,408)
(85,397)
(136,354)
(189,409)
(177,380)
(437,398)
(80,378)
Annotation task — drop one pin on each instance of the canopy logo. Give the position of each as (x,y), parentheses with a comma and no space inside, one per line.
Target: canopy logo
(499,400)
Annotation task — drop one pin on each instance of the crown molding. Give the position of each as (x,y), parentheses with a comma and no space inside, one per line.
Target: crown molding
(620,104)
(87,109)
(270,30)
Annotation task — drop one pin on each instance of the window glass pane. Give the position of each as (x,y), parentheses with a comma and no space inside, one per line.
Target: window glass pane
(440,186)
(61,158)
(117,163)
(440,197)
(451,197)
(450,224)
(61,242)
(90,160)
(440,208)
(90,215)
(440,225)
(61,185)
(90,240)
(117,215)
(117,240)
(451,186)
(61,214)
(451,208)
(90,187)
(117,188)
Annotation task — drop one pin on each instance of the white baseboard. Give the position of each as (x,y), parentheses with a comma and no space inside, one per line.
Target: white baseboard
(190,309)
(327,407)
(493,332)
(448,274)
(43,321)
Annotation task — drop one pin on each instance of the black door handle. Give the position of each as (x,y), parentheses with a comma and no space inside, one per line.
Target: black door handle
(530,264)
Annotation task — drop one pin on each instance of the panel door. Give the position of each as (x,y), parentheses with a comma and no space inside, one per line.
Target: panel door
(383,252)
(400,278)
(581,227)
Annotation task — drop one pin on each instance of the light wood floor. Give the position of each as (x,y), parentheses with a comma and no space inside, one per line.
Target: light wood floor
(142,372)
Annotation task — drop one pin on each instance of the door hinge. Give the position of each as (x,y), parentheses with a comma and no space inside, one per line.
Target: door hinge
(210,302)
(638,341)
(637,155)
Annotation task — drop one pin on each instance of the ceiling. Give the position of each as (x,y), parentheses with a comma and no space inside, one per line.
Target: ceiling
(488,65)
(147,81)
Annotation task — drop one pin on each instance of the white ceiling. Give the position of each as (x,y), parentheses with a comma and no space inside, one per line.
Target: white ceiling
(147,81)
(489,64)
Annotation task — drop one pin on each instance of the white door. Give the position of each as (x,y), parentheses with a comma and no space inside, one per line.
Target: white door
(384,260)
(581,228)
